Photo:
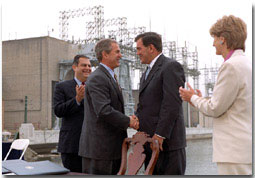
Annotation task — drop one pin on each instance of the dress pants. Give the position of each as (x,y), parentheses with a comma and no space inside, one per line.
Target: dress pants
(169,162)
(100,167)
(72,161)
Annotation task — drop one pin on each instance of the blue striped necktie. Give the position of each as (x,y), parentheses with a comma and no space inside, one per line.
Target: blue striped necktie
(147,72)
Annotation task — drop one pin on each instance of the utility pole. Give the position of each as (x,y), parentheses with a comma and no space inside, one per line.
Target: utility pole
(25,116)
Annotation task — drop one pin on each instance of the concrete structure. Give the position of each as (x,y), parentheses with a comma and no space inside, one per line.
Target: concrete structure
(27,131)
(30,68)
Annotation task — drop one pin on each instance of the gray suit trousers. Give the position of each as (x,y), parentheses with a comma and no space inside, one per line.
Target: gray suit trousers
(100,167)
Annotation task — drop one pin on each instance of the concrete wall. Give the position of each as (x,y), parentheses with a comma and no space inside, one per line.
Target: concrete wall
(29,67)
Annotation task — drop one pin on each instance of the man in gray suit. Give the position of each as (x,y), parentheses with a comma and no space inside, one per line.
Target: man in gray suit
(160,106)
(105,124)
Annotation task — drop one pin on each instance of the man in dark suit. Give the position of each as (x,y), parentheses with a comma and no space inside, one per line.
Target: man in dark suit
(160,107)
(69,105)
(105,124)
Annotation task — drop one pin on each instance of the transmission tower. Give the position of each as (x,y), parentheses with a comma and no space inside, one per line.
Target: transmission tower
(97,12)
(189,60)
(117,28)
(210,75)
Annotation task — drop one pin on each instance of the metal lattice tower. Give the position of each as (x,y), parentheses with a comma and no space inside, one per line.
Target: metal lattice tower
(210,75)
(189,60)
(96,29)
(117,28)
(96,11)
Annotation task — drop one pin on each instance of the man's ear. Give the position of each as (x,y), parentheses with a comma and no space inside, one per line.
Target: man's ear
(151,48)
(74,67)
(104,54)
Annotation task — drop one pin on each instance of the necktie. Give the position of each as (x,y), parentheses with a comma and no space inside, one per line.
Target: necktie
(83,83)
(115,77)
(147,72)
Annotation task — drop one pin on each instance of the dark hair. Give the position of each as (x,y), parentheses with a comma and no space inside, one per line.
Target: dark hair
(103,45)
(151,38)
(76,59)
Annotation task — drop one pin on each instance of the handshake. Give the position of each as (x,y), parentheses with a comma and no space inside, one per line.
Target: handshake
(134,122)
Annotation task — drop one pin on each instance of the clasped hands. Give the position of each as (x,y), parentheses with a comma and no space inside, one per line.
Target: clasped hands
(134,122)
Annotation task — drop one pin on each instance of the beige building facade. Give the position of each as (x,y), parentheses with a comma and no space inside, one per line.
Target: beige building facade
(30,67)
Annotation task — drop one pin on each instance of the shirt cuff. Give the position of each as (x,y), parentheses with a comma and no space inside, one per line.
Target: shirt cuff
(160,136)
(77,102)
(193,100)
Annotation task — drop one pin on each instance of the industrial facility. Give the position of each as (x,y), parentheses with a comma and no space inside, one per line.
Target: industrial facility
(32,66)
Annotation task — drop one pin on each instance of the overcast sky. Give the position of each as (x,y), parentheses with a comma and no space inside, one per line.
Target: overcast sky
(175,20)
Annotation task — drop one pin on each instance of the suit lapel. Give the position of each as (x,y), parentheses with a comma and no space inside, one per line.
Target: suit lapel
(154,69)
(73,87)
(116,87)
(142,81)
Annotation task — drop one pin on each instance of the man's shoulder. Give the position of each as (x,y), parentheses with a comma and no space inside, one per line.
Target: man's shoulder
(65,83)
(98,73)
(167,61)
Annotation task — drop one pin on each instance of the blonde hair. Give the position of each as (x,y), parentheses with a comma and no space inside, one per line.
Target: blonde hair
(233,29)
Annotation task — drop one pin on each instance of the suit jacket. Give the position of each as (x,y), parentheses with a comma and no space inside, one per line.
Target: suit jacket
(105,124)
(160,107)
(231,107)
(66,107)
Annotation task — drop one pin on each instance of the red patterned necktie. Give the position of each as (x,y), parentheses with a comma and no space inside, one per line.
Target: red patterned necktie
(83,83)
(115,76)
